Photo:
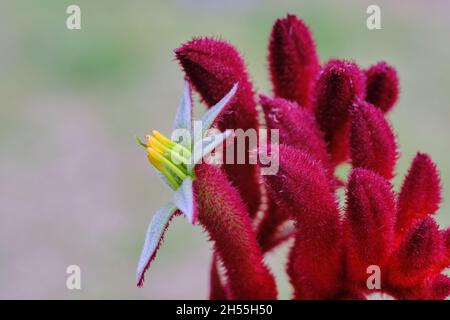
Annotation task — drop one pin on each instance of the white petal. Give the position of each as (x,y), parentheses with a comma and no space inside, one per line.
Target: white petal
(183,198)
(183,116)
(210,116)
(206,146)
(153,237)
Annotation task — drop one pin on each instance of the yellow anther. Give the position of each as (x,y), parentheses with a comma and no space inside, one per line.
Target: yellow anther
(157,164)
(160,167)
(163,139)
(160,159)
(155,144)
(172,155)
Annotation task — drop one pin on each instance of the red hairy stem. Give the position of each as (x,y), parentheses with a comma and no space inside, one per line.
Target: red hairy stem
(372,142)
(270,225)
(340,83)
(213,67)
(217,290)
(302,187)
(293,60)
(223,215)
(420,193)
(382,87)
(370,222)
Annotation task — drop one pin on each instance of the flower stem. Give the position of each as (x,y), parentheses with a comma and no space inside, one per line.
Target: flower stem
(223,215)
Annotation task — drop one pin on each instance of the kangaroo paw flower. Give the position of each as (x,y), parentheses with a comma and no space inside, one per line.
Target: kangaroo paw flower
(302,187)
(293,60)
(421,249)
(225,218)
(340,84)
(420,194)
(370,222)
(372,142)
(175,161)
(382,88)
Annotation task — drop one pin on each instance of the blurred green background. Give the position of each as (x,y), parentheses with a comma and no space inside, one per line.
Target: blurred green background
(74,186)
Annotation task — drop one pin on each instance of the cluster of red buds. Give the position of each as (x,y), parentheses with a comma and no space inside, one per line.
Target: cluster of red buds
(327,114)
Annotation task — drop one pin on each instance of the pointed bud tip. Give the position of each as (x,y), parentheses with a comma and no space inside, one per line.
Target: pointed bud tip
(293,60)
(420,194)
(372,141)
(382,86)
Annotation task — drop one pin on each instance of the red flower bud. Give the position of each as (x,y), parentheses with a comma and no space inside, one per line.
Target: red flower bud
(223,215)
(293,60)
(370,220)
(302,188)
(297,127)
(339,85)
(440,287)
(213,67)
(372,143)
(420,194)
(382,86)
(419,252)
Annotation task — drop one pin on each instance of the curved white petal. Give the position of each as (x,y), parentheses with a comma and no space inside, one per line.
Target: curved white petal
(153,237)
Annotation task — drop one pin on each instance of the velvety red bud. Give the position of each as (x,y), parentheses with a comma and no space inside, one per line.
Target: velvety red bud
(301,187)
(372,142)
(440,287)
(339,85)
(421,249)
(293,60)
(370,219)
(382,87)
(213,67)
(224,216)
(297,127)
(420,194)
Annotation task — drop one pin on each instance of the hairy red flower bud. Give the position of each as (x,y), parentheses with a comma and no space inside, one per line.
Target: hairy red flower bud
(420,194)
(297,127)
(421,249)
(223,214)
(439,288)
(339,85)
(382,86)
(372,142)
(213,67)
(302,187)
(293,60)
(370,221)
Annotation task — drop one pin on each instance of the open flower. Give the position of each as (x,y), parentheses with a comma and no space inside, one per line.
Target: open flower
(175,162)
(202,192)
